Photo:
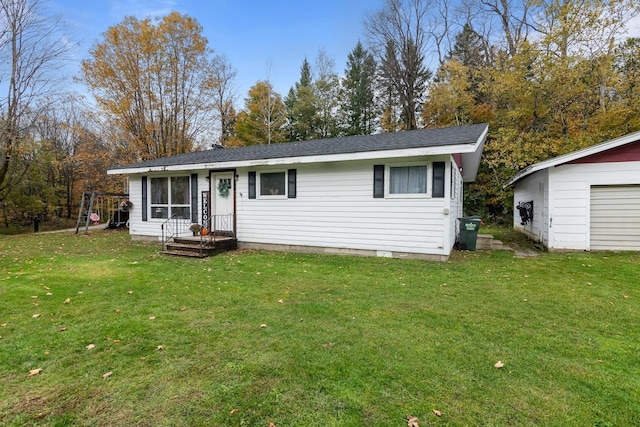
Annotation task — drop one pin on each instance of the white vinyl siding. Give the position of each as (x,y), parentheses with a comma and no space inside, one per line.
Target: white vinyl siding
(533,188)
(456,193)
(335,208)
(615,217)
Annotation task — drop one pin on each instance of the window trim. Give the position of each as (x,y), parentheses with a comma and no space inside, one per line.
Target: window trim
(387,188)
(152,206)
(259,194)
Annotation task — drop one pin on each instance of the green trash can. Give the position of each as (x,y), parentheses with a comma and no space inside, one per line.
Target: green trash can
(468,235)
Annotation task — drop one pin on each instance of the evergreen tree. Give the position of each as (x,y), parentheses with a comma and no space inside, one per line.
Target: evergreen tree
(357,108)
(470,48)
(403,69)
(263,118)
(399,36)
(474,53)
(301,106)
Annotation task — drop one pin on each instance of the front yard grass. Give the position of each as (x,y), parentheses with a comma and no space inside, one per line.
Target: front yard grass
(249,338)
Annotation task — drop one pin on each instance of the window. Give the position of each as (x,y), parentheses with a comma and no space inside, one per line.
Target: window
(408,179)
(272,184)
(292,175)
(378,181)
(437,183)
(170,196)
(252,185)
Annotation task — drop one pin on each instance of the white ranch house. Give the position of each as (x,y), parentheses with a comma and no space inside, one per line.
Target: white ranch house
(393,195)
(585,200)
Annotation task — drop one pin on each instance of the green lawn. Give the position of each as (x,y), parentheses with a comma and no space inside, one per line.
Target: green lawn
(249,338)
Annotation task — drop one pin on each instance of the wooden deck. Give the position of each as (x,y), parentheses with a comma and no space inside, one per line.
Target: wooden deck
(200,246)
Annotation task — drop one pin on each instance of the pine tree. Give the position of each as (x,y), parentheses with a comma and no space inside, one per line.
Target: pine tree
(301,106)
(358,93)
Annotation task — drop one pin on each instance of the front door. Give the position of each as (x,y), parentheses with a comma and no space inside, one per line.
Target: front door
(222,205)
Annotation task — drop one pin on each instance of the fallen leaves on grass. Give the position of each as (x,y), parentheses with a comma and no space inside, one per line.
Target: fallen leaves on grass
(233,411)
(499,364)
(107,375)
(152,318)
(437,413)
(625,296)
(272,425)
(263,325)
(183,308)
(90,347)
(35,316)
(63,328)
(159,348)
(412,421)
(35,372)
(281,301)
(67,301)
(129,292)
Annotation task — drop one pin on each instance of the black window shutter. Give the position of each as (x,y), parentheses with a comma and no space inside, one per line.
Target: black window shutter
(194,198)
(378,181)
(291,180)
(437,189)
(252,185)
(144,198)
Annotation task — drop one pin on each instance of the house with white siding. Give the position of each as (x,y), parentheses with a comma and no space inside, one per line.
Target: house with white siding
(585,200)
(395,194)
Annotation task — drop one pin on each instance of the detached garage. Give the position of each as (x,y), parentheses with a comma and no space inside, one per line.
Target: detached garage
(585,200)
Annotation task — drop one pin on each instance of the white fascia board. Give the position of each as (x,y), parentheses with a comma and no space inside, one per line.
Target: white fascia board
(127,171)
(585,152)
(327,158)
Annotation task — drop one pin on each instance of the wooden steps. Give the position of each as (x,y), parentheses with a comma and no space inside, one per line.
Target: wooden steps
(195,248)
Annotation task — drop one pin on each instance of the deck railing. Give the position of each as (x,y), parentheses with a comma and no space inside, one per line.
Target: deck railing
(179,226)
(222,225)
(175,226)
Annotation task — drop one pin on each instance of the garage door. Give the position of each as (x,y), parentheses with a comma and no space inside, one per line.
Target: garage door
(615,217)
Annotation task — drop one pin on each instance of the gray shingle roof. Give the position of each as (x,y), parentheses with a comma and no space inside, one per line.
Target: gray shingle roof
(440,137)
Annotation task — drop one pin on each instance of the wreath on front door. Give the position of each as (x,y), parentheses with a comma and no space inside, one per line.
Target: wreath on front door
(223,188)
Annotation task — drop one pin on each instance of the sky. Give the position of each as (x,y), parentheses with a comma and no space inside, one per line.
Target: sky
(261,38)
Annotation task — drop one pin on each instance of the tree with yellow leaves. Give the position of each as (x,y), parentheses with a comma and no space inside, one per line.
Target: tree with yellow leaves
(153,80)
(262,119)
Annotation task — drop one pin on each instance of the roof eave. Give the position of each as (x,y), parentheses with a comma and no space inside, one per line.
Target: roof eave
(585,152)
(471,158)
(366,155)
